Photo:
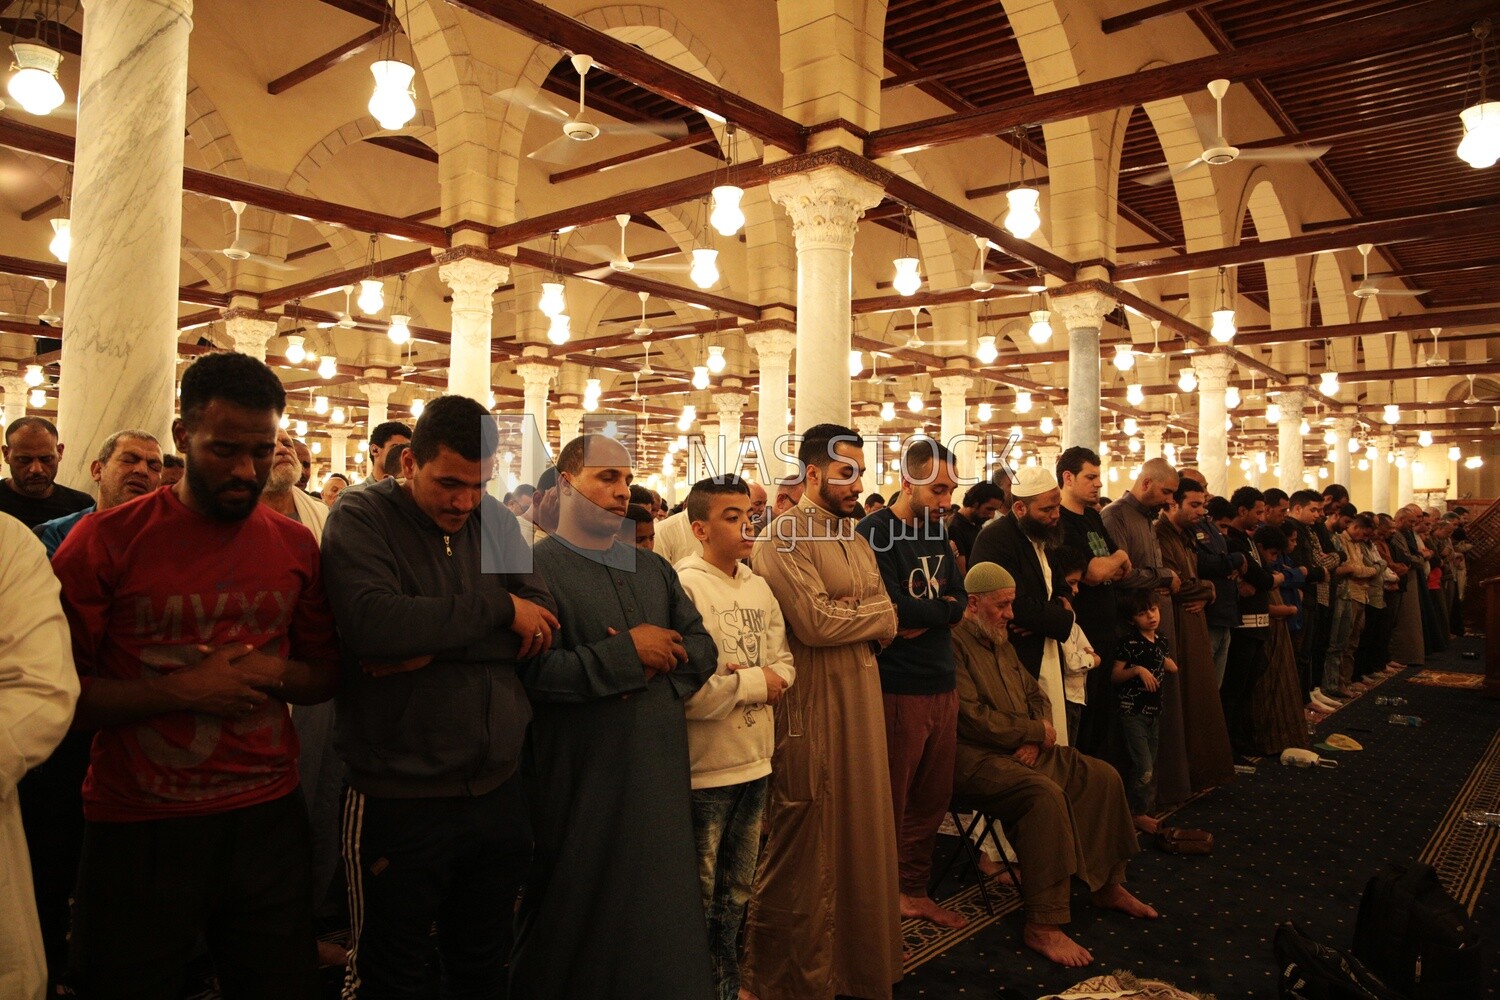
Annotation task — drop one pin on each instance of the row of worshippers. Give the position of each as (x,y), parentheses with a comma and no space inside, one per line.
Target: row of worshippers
(507,714)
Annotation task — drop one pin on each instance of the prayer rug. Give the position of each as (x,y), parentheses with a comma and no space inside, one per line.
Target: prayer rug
(1447,679)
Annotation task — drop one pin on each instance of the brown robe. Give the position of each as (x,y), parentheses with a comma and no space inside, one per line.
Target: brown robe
(825,919)
(1065,816)
(1205,734)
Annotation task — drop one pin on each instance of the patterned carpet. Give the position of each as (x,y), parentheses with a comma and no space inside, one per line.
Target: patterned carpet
(1291,844)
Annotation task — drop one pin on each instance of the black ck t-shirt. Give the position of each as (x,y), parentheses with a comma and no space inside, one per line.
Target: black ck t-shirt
(32,512)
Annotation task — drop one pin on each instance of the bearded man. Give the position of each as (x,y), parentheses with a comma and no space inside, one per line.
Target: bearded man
(282,494)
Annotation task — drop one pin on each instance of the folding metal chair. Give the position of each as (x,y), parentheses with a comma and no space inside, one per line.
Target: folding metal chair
(970,850)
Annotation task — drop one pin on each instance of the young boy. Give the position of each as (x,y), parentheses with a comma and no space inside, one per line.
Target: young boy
(731,732)
(1068,565)
(1141,662)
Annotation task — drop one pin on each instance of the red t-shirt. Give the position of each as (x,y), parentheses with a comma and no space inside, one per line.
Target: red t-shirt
(146,582)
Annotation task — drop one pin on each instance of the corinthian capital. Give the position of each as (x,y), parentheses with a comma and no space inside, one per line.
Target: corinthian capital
(1082,310)
(825,205)
(1213,371)
(472,271)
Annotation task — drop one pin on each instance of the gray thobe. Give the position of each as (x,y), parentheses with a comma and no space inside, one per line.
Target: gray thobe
(612,908)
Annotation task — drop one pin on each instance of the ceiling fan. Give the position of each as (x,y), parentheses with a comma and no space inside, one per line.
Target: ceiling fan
(577,127)
(985,281)
(1366,288)
(238,251)
(620,263)
(346,320)
(1221,152)
(915,341)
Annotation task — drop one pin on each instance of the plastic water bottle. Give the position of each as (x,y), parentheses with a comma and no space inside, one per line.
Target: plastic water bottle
(1405,720)
(1244,769)
(1392,700)
(1481,817)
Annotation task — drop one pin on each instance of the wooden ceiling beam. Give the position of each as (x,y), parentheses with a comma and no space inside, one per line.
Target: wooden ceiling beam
(1166,8)
(36,211)
(919,199)
(1319,46)
(1419,212)
(327,61)
(404,264)
(59,273)
(914,77)
(405,145)
(370,10)
(635,283)
(540,23)
(1475,221)
(692,140)
(55,146)
(1458,320)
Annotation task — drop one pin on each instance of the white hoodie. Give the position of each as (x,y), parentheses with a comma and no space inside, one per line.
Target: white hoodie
(731,732)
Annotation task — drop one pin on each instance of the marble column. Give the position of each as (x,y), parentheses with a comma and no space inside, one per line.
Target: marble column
(1151,438)
(472,274)
(868,425)
(15,389)
(1293,403)
(825,206)
(120,341)
(536,379)
(1406,489)
(569,420)
(1342,466)
(1063,441)
(730,405)
(953,388)
(338,458)
(379,396)
(1083,313)
(773,348)
(249,328)
(1213,441)
(1380,474)
(1047,456)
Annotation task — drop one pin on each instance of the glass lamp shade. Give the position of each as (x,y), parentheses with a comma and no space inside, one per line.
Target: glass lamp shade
(1424,439)
(1022,220)
(35,87)
(560,329)
(553,301)
(391,104)
(908,277)
(295,352)
(1187,381)
(1273,413)
(1454,453)
(987,352)
(590,403)
(328,367)
(1048,425)
(1223,328)
(320,405)
(301,428)
(1480,147)
(338,415)
(1473,462)
(38,399)
(1304,428)
(1134,394)
(1392,413)
(1130,426)
(1133,445)
(1124,357)
(1041,328)
(705,269)
(1023,402)
(371,296)
(915,403)
(716,362)
(856,363)
(399,331)
(593,388)
(33,376)
(1328,383)
(1330,437)
(700,376)
(1232,397)
(1354,446)
(727,217)
(62,239)
(888,410)
(985,412)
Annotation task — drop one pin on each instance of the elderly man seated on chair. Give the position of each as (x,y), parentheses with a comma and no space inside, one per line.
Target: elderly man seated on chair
(1065,812)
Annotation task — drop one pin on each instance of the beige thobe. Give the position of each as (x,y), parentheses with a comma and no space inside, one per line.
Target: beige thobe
(1051,675)
(1065,816)
(824,919)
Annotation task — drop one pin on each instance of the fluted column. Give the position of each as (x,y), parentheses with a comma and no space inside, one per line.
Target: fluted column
(773,348)
(120,342)
(825,206)
(953,387)
(338,458)
(1380,474)
(868,425)
(15,389)
(569,420)
(1293,403)
(379,396)
(1151,438)
(1213,441)
(1406,491)
(1083,313)
(472,274)
(1342,467)
(536,379)
(249,328)
(730,405)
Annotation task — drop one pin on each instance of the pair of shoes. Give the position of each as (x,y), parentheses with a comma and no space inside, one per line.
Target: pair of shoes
(1324,702)
(1392,669)
(1370,680)
(1331,694)
(1356,688)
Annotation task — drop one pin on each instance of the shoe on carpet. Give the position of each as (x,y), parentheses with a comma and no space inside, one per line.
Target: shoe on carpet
(1331,694)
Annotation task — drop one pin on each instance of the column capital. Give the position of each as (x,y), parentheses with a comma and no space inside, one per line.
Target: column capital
(1344,425)
(1150,434)
(953,384)
(772,345)
(730,404)
(473,270)
(1291,400)
(1213,371)
(868,426)
(250,329)
(536,376)
(567,414)
(1409,452)
(825,204)
(1082,310)
(377,392)
(339,433)
(13,385)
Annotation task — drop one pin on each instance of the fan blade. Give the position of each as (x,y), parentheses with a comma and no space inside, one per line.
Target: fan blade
(271,262)
(1284,153)
(664,129)
(536,102)
(662,267)
(559,150)
(1409,292)
(1166,173)
(595,274)
(598,251)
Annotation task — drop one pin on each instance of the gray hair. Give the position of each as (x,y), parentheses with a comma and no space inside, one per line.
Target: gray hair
(112,442)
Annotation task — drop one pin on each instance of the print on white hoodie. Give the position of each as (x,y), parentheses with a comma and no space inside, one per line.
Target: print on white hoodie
(731,729)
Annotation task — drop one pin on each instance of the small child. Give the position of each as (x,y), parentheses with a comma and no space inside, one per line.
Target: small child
(1141,663)
(1068,565)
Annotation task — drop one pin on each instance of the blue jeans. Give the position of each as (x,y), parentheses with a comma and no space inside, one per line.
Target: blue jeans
(1219,641)
(1140,734)
(727,821)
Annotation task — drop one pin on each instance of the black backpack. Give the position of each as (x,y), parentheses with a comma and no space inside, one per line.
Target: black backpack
(1313,971)
(1417,937)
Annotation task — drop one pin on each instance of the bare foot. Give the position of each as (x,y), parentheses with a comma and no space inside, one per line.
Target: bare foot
(331,955)
(1117,897)
(1049,941)
(1146,824)
(924,908)
(995,870)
